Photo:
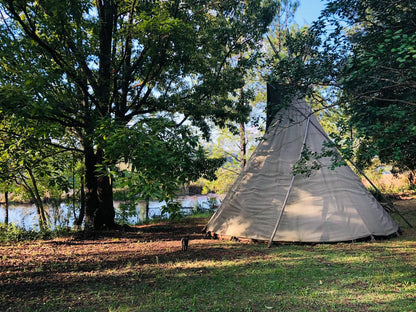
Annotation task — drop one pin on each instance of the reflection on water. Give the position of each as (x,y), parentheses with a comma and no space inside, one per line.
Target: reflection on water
(24,215)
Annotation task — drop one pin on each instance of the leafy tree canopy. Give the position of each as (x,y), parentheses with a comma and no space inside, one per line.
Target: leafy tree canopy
(135,67)
(378,76)
(361,57)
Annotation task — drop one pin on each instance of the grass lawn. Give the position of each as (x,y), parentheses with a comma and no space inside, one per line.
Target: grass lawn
(146,270)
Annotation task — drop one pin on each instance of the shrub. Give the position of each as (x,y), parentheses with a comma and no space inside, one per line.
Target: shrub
(13,233)
(124,211)
(212,204)
(173,209)
(198,208)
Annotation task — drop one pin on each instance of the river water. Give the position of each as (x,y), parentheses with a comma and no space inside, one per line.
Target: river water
(24,215)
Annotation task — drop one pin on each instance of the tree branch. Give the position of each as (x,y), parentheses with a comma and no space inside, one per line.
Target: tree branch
(30,30)
(387,100)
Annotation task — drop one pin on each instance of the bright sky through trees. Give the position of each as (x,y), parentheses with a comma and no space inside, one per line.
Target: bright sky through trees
(309,11)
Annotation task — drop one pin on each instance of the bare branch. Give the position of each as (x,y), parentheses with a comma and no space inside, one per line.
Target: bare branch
(387,100)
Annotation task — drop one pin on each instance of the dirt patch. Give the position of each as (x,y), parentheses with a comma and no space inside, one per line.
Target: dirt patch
(41,271)
(406,204)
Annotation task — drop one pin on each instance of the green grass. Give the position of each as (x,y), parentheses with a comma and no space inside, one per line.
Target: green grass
(211,276)
(289,278)
(340,277)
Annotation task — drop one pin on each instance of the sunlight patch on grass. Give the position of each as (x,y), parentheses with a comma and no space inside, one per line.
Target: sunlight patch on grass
(124,275)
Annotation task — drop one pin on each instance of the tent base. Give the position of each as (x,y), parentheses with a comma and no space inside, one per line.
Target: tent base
(244,240)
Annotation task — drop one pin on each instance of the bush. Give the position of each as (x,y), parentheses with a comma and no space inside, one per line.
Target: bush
(212,204)
(173,209)
(198,208)
(124,211)
(13,233)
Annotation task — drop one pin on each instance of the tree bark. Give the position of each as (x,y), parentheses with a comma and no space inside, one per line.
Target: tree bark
(106,213)
(81,214)
(99,208)
(73,187)
(99,190)
(107,11)
(243,146)
(412,178)
(91,197)
(147,209)
(6,208)
(38,200)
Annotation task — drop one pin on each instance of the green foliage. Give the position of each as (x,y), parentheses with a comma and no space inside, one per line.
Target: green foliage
(226,177)
(309,161)
(301,67)
(173,209)
(366,62)
(32,162)
(197,208)
(226,145)
(212,204)
(11,233)
(307,164)
(124,211)
(377,77)
(386,179)
(83,65)
(164,157)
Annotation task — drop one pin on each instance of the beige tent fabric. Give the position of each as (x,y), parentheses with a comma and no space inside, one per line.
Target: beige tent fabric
(328,206)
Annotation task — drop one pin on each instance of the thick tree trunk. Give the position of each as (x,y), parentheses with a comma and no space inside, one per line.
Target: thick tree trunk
(105,214)
(74,201)
(91,197)
(81,214)
(99,208)
(103,198)
(412,178)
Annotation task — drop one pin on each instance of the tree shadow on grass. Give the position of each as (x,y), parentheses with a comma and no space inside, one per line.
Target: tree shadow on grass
(126,273)
(149,232)
(208,278)
(25,288)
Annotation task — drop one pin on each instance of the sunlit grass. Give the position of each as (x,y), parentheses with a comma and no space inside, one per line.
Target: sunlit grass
(211,276)
(331,280)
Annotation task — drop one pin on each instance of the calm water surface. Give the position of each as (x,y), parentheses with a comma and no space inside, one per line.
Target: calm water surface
(24,215)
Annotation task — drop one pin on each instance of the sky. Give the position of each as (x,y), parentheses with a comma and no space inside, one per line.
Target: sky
(309,11)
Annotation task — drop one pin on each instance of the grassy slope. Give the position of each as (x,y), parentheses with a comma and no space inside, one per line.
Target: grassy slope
(138,272)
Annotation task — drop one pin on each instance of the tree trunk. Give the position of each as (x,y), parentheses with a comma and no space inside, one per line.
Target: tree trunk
(38,200)
(100,204)
(81,215)
(106,213)
(99,209)
(91,197)
(73,187)
(6,208)
(243,146)
(412,178)
(147,209)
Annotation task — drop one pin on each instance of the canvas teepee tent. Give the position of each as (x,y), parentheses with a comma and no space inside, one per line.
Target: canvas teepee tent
(267,202)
